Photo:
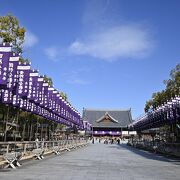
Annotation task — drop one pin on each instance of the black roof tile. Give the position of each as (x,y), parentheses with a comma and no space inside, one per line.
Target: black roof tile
(123,117)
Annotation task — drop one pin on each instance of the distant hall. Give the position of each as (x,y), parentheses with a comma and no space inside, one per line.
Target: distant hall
(106,122)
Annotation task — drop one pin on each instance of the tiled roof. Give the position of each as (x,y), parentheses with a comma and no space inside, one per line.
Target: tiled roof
(119,118)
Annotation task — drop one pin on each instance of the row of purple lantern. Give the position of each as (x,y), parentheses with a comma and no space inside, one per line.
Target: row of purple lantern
(23,87)
(168,113)
(113,133)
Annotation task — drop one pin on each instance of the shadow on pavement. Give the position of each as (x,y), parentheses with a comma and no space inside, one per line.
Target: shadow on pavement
(147,154)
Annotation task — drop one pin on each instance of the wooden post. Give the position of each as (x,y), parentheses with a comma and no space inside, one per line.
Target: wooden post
(46,145)
(36,129)
(53,131)
(41,132)
(7,148)
(23,133)
(46,133)
(30,132)
(28,129)
(49,133)
(17,120)
(6,121)
(25,148)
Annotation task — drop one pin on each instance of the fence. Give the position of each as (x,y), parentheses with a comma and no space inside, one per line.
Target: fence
(157,146)
(26,148)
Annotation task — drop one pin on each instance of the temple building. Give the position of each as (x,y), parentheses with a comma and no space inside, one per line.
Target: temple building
(107,122)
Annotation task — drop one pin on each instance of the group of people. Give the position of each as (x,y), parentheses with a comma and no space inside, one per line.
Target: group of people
(110,140)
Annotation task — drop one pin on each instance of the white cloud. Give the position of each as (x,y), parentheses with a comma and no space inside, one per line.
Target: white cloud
(95,12)
(127,41)
(52,53)
(77,81)
(74,77)
(30,39)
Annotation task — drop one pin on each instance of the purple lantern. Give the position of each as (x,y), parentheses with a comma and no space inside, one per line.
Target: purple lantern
(23,80)
(33,80)
(5,53)
(12,71)
(39,85)
(44,100)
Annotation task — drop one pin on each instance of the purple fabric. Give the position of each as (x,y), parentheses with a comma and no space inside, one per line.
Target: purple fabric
(58,107)
(4,66)
(33,80)
(113,133)
(23,80)
(12,71)
(29,105)
(54,101)
(4,45)
(62,109)
(22,87)
(16,100)
(45,99)
(50,97)
(23,104)
(6,96)
(38,99)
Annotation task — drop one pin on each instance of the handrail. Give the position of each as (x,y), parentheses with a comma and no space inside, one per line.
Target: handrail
(26,146)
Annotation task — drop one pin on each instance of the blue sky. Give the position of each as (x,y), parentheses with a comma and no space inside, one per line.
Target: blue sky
(104,53)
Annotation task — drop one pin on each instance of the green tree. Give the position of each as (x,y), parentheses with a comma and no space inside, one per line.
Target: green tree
(174,82)
(48,80)
(172,89)
(64,96)
(11,32)
(23,60)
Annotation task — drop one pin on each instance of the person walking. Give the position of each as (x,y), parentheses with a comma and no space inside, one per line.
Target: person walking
(118,141)
(93,140)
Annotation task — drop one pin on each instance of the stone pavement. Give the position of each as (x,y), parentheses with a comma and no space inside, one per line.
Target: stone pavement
(98,162)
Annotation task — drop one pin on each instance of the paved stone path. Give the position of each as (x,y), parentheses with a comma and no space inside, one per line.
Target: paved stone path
(98,162)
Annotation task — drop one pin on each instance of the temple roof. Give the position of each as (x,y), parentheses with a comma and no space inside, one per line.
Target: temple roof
(107,117)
